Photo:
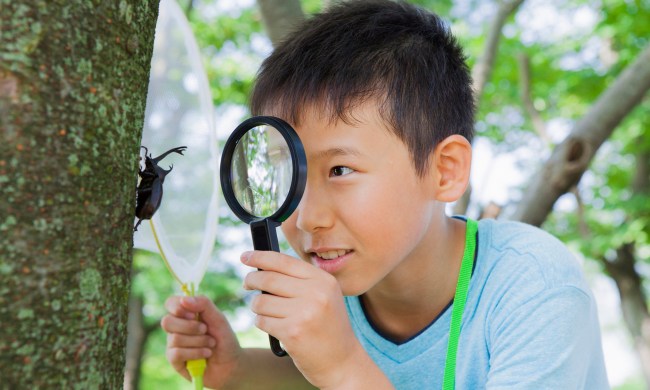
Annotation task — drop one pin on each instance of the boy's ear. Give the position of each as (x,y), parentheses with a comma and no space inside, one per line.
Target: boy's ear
(450,163)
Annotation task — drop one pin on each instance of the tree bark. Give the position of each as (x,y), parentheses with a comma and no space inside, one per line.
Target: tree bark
(572,157)
(280,17)
(73,84)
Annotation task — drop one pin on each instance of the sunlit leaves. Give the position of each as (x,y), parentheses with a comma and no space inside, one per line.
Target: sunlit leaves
(233,48)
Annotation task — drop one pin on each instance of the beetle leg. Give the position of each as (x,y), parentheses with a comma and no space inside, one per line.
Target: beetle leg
(135,228)
(144,174)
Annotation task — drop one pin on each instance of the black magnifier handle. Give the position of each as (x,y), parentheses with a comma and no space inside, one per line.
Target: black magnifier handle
(265,238)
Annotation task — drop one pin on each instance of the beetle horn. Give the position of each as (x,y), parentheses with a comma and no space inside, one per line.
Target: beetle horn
(169,170)
(178,150)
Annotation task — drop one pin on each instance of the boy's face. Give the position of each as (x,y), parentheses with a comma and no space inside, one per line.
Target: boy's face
(364,211)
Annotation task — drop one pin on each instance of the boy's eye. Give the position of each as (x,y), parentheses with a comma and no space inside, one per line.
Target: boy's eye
(340,171)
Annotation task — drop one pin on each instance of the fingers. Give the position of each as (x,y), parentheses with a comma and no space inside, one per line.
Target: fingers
(274,283)
(174,307)
(277,262)
(273,326)
(179,356)
(271,306)
(280,275)
(186,336)
(207,311)
(172,324)
(197,330)
(176,340)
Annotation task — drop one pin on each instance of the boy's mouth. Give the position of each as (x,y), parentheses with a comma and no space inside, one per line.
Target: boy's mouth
(330,260)
(332,254)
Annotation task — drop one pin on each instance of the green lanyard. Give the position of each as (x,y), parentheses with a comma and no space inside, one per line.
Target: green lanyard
(460,297)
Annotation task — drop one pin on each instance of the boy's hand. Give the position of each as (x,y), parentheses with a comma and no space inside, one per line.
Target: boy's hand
(210,338)
(306,312)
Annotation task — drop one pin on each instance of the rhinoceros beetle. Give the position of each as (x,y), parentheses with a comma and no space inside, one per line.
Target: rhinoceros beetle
(150,189)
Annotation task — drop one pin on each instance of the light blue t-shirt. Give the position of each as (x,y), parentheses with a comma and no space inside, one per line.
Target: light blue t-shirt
(530,322)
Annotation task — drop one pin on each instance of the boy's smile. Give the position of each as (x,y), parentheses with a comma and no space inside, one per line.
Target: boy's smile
(365,212)
(330,261)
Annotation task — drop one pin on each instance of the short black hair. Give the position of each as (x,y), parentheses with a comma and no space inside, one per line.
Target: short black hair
(395,52)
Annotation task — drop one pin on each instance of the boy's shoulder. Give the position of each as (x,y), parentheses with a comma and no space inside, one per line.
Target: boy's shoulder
(523,254)
(532,309)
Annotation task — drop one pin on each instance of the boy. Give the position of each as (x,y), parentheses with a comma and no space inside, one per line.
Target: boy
(381,97)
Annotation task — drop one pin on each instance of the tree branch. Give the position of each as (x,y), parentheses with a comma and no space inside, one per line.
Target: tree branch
(527,98)
(641,181)
(482,70)
(540,127)
(572,157)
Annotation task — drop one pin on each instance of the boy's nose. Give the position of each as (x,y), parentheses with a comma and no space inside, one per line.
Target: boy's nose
(314,211)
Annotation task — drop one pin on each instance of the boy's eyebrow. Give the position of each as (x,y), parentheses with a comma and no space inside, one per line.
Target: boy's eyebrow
(338,151)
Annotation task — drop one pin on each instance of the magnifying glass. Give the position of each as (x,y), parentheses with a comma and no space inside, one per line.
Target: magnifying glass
(263,176)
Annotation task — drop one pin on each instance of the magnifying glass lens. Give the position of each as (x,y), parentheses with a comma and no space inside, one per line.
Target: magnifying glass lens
(261,171)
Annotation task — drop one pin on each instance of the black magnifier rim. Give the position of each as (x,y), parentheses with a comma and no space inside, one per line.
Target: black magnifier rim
(298,172)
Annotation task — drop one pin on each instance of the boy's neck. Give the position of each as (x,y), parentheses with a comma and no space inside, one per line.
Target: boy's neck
(421,287)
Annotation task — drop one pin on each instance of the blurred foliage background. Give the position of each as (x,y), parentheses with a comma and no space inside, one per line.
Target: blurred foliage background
(554,60)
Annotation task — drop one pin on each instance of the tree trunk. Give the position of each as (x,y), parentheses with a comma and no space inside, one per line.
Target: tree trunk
(572,157)
(136,340)
(73,83)
(280,17)
(633,302)
(138,334)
